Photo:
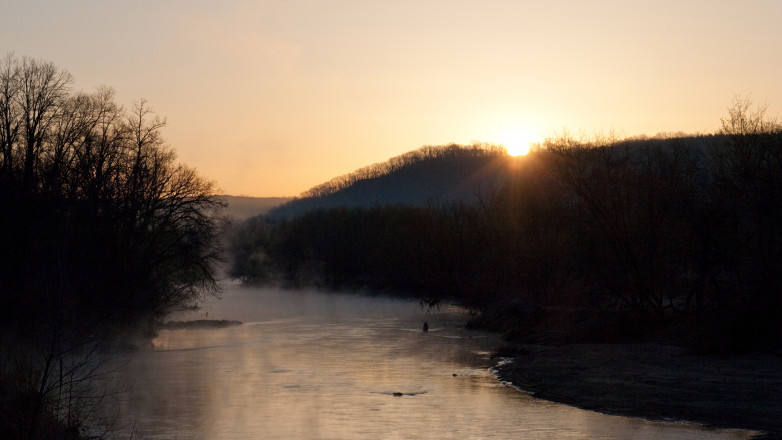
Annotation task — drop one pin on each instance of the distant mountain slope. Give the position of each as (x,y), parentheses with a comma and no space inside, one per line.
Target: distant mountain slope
(243,207)
(429,174)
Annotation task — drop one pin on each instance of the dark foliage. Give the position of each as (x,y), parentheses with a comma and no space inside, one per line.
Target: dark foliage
(586,240)
(100,228)
(451,173)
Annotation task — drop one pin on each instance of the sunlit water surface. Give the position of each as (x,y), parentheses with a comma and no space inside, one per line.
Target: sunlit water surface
(314,365)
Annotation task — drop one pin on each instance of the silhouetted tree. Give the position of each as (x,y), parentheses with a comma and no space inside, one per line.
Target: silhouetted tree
(99,228)
(590,238)
(746,167)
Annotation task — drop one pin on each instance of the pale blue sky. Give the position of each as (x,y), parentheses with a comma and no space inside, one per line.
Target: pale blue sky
(269,98)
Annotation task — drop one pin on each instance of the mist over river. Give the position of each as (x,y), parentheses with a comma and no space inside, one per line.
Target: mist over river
(313,365)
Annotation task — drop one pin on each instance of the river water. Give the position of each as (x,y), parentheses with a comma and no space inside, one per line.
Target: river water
(314,365)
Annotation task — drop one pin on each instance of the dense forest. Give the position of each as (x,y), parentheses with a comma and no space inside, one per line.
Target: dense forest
(100,230)
(673,238)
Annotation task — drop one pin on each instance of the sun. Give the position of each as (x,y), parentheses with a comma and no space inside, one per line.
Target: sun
(518,142)
(517,148)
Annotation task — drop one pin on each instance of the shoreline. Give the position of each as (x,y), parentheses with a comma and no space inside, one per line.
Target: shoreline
(655,382)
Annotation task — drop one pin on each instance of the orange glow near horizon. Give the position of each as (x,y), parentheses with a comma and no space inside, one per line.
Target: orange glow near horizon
(272,98)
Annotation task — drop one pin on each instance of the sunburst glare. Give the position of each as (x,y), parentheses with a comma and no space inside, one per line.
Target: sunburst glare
(518,142)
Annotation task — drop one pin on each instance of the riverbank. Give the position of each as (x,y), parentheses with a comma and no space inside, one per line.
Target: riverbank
(656,382)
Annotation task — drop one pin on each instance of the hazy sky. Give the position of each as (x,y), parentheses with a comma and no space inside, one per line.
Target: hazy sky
(269,98)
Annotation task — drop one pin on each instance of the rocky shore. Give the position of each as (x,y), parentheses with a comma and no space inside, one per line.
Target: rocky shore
(655,381)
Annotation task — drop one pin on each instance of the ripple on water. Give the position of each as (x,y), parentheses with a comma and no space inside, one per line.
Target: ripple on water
(327,366)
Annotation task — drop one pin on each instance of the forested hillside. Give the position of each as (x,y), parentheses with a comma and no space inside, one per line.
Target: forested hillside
(586,240)
(428,175)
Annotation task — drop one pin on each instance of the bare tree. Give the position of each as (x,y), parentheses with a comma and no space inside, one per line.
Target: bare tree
(100,227)
(42,88)
(742,119)
(10,121)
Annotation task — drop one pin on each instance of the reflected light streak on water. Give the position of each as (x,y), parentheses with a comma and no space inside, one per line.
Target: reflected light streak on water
(310,365)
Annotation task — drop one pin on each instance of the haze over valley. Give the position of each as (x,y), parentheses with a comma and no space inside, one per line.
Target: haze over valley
(361,220)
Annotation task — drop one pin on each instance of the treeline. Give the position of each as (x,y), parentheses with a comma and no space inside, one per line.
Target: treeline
(590,240)
(100,228)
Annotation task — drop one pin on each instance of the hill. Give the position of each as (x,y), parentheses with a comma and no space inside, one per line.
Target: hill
(417,178)
(243,207)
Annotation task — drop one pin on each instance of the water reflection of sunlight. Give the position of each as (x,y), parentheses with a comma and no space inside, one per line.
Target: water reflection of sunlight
(314,371)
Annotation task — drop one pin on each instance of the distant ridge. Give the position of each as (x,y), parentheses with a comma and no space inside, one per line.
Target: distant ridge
(429,174)
(243,207)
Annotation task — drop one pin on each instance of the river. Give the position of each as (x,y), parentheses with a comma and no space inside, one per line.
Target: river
(313,365)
